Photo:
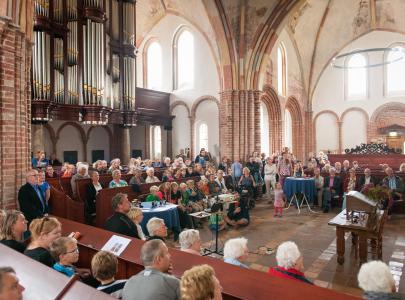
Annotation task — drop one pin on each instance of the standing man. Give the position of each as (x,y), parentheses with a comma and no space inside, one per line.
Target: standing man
(32,203)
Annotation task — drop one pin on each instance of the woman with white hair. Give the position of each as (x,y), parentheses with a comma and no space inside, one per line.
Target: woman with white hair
(151,178)
(117,181)
(236,251)
(290,263)
(377,282)
(190,241)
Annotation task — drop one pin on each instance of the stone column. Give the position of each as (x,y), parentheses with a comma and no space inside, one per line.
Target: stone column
(38,138)
(239,123)
(125,146)
(169,144)
(340,123)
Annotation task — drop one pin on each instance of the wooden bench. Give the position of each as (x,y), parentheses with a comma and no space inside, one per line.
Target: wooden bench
(237,283)
(42,282)
(371,161)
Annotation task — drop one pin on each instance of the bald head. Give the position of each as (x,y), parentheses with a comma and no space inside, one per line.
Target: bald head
(32,176)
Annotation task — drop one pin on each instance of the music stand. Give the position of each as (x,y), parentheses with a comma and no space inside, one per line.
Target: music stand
(214,210)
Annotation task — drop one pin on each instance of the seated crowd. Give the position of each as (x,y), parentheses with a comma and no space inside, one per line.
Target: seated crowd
(61,253)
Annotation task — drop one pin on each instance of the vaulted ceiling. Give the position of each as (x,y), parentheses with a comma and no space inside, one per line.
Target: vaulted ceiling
(242,32)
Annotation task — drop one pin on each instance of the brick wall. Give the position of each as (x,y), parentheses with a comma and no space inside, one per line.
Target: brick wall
(15,125)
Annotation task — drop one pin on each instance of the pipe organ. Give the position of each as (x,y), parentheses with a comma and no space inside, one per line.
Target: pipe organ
(84,61)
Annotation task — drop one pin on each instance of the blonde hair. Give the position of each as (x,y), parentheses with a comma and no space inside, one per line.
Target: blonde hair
(104,265)
(174,184)
(182,185)
(42,226)
(134,213)
(154,188)
(6,230)
(198,283)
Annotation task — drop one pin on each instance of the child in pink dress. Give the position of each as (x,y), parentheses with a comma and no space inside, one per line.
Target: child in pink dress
(278,200)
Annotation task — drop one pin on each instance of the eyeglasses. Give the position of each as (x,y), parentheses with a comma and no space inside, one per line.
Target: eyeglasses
(73,251)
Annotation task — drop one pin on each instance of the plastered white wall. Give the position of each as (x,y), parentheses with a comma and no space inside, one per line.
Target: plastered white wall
(327,132)
(181,129)
(98,140)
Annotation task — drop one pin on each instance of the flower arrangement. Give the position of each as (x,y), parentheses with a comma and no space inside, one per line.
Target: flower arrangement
(379,194)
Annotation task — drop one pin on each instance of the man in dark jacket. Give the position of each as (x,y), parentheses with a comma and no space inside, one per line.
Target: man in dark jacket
(32,204)
(331,188)
(119,222)
(367,179)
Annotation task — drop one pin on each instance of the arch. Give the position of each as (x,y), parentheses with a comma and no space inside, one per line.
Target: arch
(294,108)
(82,134)
(175,59)
(353,74)
(194,108)
(272,102)
(75,125)
(354,109)
(201,99)
(145,66)
(323,112)
(110,138)
(281,69)
(53,137)
(386,107)
(179,103)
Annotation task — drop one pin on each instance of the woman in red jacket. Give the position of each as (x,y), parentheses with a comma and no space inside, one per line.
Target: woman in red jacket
(290,263)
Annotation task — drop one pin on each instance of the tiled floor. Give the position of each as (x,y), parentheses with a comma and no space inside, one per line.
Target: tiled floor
(316,240)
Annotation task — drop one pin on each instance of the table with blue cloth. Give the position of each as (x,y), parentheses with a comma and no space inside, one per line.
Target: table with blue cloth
(305,186)
(168,213)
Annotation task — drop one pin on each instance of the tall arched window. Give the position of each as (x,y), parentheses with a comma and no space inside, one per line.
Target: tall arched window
(288,130)
(154,66)
(264,129)
(156,142)
(395,73)
(184,60)
(281,70)
(356,77)
(203,136)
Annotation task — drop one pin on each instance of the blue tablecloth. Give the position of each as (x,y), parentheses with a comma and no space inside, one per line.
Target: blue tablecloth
(305,186)
(168,213)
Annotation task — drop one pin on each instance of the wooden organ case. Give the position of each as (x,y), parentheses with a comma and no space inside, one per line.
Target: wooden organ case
(84,65)
(359,208)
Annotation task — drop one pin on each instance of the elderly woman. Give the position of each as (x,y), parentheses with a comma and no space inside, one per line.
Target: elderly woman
(247,182)
(190,241)
(115,164)
(376,280)
(236,251)
(201,281)
(92,190)
(290,263)
(82,172)
(117,181)
(137,178)
(151,178)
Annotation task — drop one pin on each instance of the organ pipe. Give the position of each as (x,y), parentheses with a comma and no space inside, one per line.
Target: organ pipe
(129,23)
(41,8)
(58,11)
(93,63)
(114,20)
(94,3)
(58,54)
(71,9)
(73,89)
(41,66)
(72,46)
(129,83)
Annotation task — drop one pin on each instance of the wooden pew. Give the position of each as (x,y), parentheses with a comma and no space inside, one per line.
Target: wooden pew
(237,283)
(369,160)
(42,282)
(62,205)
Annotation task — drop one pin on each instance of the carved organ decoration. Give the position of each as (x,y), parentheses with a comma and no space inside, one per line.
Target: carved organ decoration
(373,148)
(84,61)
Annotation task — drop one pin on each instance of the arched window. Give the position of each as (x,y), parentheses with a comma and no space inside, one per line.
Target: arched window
(356,77)
(395,73)
(203,136)
(154,66)
(264,130)
(156,142)
(288,130)
(281,70)
(184,61)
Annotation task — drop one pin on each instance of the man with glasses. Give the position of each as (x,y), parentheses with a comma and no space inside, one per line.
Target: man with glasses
(31,201)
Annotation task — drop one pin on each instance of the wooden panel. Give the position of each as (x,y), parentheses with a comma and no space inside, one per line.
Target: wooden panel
(369,160)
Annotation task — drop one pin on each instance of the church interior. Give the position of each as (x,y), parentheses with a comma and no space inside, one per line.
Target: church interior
(271,127)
